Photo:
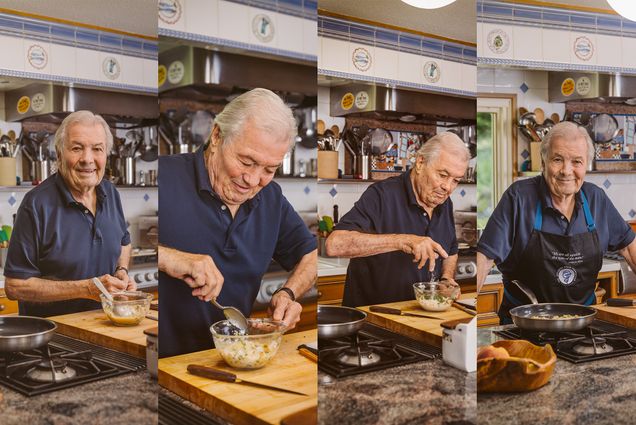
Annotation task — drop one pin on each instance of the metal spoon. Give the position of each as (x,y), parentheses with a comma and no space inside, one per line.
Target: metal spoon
(102,289)
(233,315)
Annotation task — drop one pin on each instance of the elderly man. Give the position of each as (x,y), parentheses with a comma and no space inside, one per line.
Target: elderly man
(401,221)
(70,228)
(223,220)
(550,232)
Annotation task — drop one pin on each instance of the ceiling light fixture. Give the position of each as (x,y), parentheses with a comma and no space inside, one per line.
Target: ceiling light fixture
(428,4)
(625,8)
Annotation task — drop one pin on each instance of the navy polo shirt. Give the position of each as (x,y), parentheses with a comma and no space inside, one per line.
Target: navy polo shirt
(508,230)
(55,237)
(389,207)
(194,219)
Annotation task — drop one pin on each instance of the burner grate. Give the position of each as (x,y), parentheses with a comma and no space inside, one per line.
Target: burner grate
(92,363)
(393,349)
(619,338)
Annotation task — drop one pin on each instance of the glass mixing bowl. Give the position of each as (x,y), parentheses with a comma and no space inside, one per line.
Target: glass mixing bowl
(435,296)
(127,308)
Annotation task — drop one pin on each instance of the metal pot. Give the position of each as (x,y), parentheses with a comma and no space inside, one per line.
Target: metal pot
(532,317)
(23,333)
(336,321)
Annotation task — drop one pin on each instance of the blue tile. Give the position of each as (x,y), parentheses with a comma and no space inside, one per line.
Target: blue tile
(311,5)
(527,14)
(410,42)
(10,23)
(462,193)
(583,20)
(36,28)
(12,200)
(146,197)
(86,37)
(556,17)
(435,47)
(359,32)
(453,50)
(470,53)
(497,10)
(524,87)
(609,22)
(525,154)
(63,32)
(130,44)
(607,184)
(335,26)
(632,213)
(333,192)
(386,36)
(306,190)
(110,41)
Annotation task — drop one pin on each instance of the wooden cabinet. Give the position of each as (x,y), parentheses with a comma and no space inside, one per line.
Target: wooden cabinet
(330,289)
(488,302)
(6,305)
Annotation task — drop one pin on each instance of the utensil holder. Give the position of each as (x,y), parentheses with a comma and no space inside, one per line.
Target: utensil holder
(327,164)
(363,166)
(7,171)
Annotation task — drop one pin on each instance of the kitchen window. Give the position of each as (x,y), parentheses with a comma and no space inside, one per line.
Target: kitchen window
(496,151)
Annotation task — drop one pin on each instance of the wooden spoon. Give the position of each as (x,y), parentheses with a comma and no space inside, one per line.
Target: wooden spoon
(540,115)
(556,118)
(320,127)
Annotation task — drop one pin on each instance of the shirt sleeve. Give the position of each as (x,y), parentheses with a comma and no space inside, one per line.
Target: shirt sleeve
(294,239)
(454,246)
(24,246)
(362,217)
(497,240)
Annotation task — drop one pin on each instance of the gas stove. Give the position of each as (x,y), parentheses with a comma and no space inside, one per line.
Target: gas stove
(372,348)
(600,340)
(63,363)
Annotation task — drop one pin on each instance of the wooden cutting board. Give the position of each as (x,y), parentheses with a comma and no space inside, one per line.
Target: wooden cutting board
(242,404)
(625,316)
(94,326)
(420,329)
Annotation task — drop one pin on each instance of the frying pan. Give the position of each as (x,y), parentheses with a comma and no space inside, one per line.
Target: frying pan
(527,316)
(23,333)
(336,321)
(603,128)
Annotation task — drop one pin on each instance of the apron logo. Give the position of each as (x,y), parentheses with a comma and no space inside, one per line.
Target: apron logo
(566,275)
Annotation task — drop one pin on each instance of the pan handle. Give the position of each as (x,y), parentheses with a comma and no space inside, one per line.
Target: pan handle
(527,291)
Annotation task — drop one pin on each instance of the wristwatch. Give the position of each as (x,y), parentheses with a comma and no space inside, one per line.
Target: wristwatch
(287,291)
(118,268)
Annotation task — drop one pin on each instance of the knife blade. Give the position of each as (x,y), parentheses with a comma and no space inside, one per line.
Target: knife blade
(398,312)
(221,375)
(620,302)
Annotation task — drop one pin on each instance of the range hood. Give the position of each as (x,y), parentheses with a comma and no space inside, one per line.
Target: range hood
(393,104)
(194,73)
(52,103)
(591,86)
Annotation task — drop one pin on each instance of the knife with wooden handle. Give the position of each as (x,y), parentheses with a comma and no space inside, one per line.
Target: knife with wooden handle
(620,302)
(397,311)
(221,375)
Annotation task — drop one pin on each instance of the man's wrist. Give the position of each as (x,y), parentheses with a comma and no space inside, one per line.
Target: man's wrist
(118,268)
(287,291)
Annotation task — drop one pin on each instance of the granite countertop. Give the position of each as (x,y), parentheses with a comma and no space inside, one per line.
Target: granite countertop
(598,392)
(127,399)
(428,392)
(214,418)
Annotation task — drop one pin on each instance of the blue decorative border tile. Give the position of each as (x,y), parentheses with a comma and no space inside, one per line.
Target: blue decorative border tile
(385,81)
(235,44)
(555,66)
(69,35)
(503,12)
(395,40)
(306,9)
(60,79)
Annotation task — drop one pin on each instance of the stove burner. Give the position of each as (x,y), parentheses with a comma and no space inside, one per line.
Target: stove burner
(360,355)
(598,341)
(591,346)
(53,370)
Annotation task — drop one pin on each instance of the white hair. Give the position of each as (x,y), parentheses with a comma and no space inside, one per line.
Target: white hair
(262,108)
(567,130)
(84,118)
(447,141)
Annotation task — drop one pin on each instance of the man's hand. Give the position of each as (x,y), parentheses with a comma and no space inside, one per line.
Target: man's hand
(423,249)
(198,271)
(281,307)
(111,283)
(122,275)
(450,283)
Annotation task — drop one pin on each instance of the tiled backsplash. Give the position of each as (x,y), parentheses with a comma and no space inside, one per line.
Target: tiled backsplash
(346,194)
(135,201)
(620,189)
